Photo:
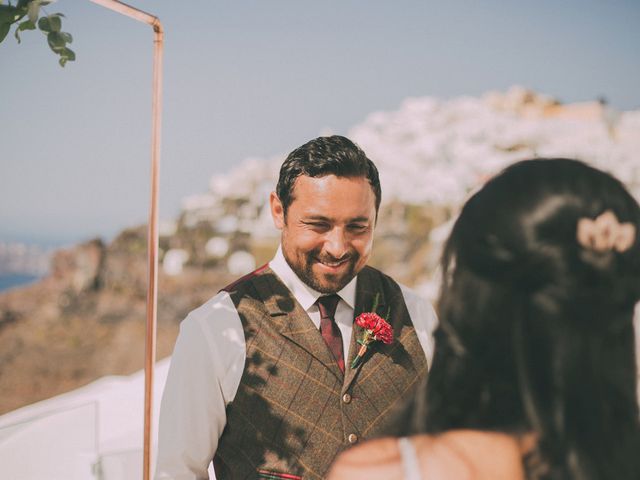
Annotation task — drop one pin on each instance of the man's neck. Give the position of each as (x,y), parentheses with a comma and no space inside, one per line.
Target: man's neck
(304,294)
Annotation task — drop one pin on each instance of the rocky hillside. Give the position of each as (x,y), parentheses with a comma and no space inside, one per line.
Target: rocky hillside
(86,319)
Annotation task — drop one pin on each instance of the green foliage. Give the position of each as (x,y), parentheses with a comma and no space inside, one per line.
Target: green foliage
(50,25)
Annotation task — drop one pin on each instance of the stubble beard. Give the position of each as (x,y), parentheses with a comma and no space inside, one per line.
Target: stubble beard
(329,283)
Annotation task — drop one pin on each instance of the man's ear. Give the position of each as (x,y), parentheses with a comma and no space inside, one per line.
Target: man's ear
(277,211)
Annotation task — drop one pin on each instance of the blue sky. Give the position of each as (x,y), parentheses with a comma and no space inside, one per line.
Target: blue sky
(257,78)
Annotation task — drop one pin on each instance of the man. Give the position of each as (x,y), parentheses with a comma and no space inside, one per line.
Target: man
(261,379)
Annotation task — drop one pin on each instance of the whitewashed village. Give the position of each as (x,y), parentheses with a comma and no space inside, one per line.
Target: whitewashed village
(431,154)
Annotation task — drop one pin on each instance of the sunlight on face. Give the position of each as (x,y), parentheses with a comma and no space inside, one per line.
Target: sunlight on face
(328,231)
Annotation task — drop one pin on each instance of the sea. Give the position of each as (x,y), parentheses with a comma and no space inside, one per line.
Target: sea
(13,280)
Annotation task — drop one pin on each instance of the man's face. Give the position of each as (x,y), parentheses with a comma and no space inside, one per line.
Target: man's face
(328,232)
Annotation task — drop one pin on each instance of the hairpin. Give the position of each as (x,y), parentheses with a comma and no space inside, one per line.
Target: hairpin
(605,233)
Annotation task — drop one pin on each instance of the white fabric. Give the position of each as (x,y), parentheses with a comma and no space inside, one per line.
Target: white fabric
(208,362)
(98,427)
(409,459)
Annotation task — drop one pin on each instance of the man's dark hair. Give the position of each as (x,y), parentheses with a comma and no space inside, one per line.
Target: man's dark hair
(335,155)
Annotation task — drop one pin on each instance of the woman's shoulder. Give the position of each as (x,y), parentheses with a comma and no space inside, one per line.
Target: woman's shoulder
(460,454)
(490,455)
(374,459)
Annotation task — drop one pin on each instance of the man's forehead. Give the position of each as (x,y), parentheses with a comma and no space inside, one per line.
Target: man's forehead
(311,214)
(307,184)
(340,198)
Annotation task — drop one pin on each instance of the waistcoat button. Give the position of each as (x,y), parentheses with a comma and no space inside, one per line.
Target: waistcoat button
(353,438)
(346,398)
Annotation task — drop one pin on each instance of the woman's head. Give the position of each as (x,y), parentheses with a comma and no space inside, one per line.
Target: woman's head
(536,326)
(521,231)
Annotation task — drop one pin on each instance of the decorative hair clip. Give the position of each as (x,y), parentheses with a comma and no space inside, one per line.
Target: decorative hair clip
(605,233)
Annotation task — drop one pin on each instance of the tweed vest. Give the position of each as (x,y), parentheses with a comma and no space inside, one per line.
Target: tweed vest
(295,410)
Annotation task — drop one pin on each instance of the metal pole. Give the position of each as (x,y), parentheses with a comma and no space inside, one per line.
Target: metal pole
(152,246)
(152,235)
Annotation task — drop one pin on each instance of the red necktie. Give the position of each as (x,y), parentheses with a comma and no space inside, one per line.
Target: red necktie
(328,327)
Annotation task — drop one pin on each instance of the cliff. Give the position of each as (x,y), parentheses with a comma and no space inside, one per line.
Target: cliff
(86,319)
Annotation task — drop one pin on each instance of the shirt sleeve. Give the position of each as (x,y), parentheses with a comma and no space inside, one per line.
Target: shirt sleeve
(205,371)
(424,320)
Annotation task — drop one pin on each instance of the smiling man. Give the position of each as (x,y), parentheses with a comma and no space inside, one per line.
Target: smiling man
(261,380)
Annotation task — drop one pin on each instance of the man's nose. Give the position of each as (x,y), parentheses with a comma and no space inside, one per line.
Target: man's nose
(336,243)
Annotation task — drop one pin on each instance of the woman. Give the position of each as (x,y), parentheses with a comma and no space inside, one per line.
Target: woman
(534,374)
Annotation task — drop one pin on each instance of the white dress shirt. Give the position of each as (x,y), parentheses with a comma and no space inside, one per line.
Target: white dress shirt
(208,363)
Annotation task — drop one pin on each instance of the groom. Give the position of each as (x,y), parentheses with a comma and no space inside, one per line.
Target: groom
(261,379)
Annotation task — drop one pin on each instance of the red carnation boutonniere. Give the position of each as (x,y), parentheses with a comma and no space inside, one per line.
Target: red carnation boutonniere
(376,329)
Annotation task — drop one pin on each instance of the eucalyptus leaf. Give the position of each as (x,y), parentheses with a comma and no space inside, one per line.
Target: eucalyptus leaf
(70,54)
(56,42)
(54,22)
(4,29)
(10,14)
(66,55)
(44,24)
(50,25)
(26,25)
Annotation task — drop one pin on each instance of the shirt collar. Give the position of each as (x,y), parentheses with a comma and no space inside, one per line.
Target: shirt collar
(303,293)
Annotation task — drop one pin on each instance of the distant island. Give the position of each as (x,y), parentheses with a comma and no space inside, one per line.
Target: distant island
(12,280)
(21,263)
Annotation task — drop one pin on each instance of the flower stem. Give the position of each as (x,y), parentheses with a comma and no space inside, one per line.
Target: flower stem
(361,352)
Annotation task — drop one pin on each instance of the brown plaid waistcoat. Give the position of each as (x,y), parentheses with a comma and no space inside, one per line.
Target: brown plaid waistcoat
(294,410)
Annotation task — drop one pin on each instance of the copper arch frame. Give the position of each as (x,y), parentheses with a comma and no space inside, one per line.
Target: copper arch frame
(152,235)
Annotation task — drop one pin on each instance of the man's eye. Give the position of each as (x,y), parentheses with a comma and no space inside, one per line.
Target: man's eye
(318,225)
(357,227)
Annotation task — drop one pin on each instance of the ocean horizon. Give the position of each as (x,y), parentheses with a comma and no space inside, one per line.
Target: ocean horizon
(15,280)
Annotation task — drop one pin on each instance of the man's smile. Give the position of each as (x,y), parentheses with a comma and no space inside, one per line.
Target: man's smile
(333,266)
